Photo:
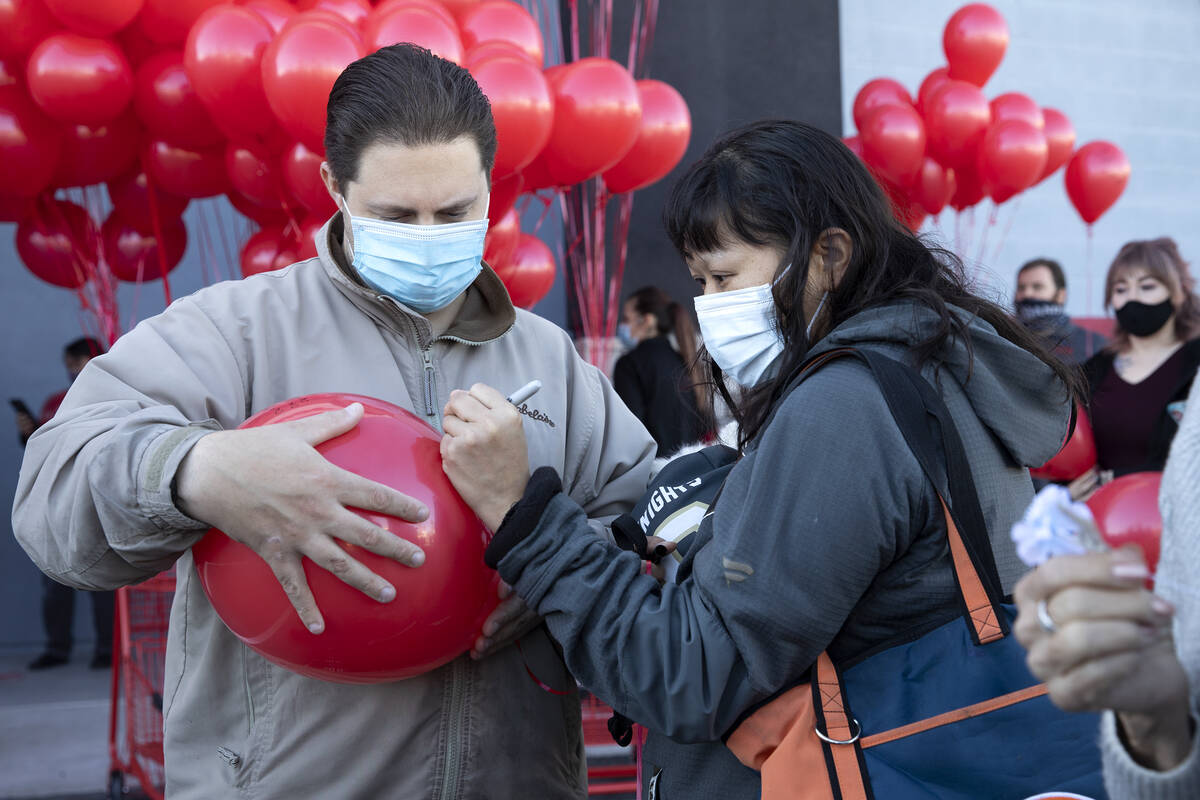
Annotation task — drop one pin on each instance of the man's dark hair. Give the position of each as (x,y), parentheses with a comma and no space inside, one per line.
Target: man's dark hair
(1056,270)
(405,94)
(84,347)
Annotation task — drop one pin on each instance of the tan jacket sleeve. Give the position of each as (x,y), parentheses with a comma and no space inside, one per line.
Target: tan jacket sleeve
(609,453)
(93,506)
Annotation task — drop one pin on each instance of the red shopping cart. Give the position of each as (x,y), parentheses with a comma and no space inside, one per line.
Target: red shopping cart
(135,739)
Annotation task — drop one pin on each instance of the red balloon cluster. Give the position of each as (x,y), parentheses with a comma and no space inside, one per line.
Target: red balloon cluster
(200,98)
(952,146)
(439,607)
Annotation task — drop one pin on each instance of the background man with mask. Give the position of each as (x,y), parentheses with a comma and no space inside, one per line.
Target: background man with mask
(58,599)
(1039,302)
(144,457)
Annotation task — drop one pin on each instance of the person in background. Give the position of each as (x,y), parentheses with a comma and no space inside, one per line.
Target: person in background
(58,599)
(1040,303)
(657,379)
(1139,383)
(1103,642)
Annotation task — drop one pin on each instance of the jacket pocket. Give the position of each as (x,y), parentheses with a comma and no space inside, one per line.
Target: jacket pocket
(241,752)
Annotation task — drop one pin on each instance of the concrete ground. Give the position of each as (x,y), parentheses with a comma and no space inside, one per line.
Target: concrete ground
(53,729)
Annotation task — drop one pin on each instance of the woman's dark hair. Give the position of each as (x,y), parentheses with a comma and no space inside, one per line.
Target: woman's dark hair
(782,184)
(1161,260)
(404,93)
(671,317)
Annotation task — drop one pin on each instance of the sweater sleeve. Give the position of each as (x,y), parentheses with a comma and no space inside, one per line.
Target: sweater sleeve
(94,507)
(790,553)
(1125,779)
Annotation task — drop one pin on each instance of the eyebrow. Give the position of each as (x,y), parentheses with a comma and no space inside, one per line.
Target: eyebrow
(402,211)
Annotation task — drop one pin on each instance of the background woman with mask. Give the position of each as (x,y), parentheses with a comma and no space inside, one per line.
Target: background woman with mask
(1139,383)
(827,535)
(658,378)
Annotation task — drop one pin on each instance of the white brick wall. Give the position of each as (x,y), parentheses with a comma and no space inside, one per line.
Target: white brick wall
(1121,70)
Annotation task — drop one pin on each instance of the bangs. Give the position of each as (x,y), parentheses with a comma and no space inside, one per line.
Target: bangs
(708,209)
(1156,261)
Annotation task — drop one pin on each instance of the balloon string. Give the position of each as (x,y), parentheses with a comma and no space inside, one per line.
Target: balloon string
(545,687)
(1012,217)
(987,227)
(624,218)
(1087,266)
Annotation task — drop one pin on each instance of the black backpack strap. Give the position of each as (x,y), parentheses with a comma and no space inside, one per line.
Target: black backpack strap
(931,435)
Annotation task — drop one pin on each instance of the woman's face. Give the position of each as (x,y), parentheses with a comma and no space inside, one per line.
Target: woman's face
(1137,284)
(737,265)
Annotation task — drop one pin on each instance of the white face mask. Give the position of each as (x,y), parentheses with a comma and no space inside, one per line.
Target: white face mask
(739,330)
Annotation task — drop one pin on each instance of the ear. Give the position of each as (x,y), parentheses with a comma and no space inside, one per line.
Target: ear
(1060,297)
(830,258)
(331,184)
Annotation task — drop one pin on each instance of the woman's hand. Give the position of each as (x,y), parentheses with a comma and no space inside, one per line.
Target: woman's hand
(484,452)
(1101,641)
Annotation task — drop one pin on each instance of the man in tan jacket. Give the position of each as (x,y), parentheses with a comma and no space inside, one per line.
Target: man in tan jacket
(145,455)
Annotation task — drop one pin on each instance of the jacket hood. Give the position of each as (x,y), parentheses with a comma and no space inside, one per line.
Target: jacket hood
(1014,393)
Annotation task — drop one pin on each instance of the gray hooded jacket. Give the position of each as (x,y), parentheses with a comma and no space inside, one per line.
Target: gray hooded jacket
(827,536)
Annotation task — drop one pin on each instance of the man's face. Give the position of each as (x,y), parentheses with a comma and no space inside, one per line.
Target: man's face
(432,184)
(75,365)
(1037,283)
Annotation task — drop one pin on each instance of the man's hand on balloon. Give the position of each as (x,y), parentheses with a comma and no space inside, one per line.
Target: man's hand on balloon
(484,452)
(270,489)
(1101,641)
(511,620)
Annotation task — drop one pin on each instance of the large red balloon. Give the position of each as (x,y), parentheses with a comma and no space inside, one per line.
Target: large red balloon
(223,57)
(137,46)
(503,20)
(427,5)
(187,172)
(169,106)
(24,24)
(1011,158)
(80,80)
(30,145)
(530,273)
(96,154)
(417,25)
(255,173)
(933,81)
(439,607)
(267,250)
(14,209)
(485,50)
(968,188)
(298,70)
(353,11)
(1077,456)
(1014,105)
(934,186)
(974,40)
(1060,140)
(95,17)
(132,254)
(502,237)
(302,176)
(522,107)
(877,94)
(893,140)
(1126,512)
(58,242)
(168,21)
(277,217)
(276,13)
(459,8)
(597,114)
(1096,177)
(504,195)
(131,196)
(662,139)
(956,119)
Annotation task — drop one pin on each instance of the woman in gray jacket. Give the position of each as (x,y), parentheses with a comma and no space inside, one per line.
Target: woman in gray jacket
(827,535)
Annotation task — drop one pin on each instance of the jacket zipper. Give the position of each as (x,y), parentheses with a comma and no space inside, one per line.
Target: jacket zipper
(452,768)
(428,384)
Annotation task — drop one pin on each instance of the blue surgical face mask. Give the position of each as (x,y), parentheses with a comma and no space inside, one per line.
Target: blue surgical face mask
(422,266)
(626,336)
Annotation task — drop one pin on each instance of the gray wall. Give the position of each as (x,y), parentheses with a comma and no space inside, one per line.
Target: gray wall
(1122,71)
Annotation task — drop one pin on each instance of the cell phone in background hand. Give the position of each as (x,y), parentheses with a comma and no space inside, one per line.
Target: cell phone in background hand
(18,405)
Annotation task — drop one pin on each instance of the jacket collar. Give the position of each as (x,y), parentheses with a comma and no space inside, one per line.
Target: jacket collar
(487,314)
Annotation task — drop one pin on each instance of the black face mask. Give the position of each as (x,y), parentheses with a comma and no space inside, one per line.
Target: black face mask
(1140,319)
(1031,310)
